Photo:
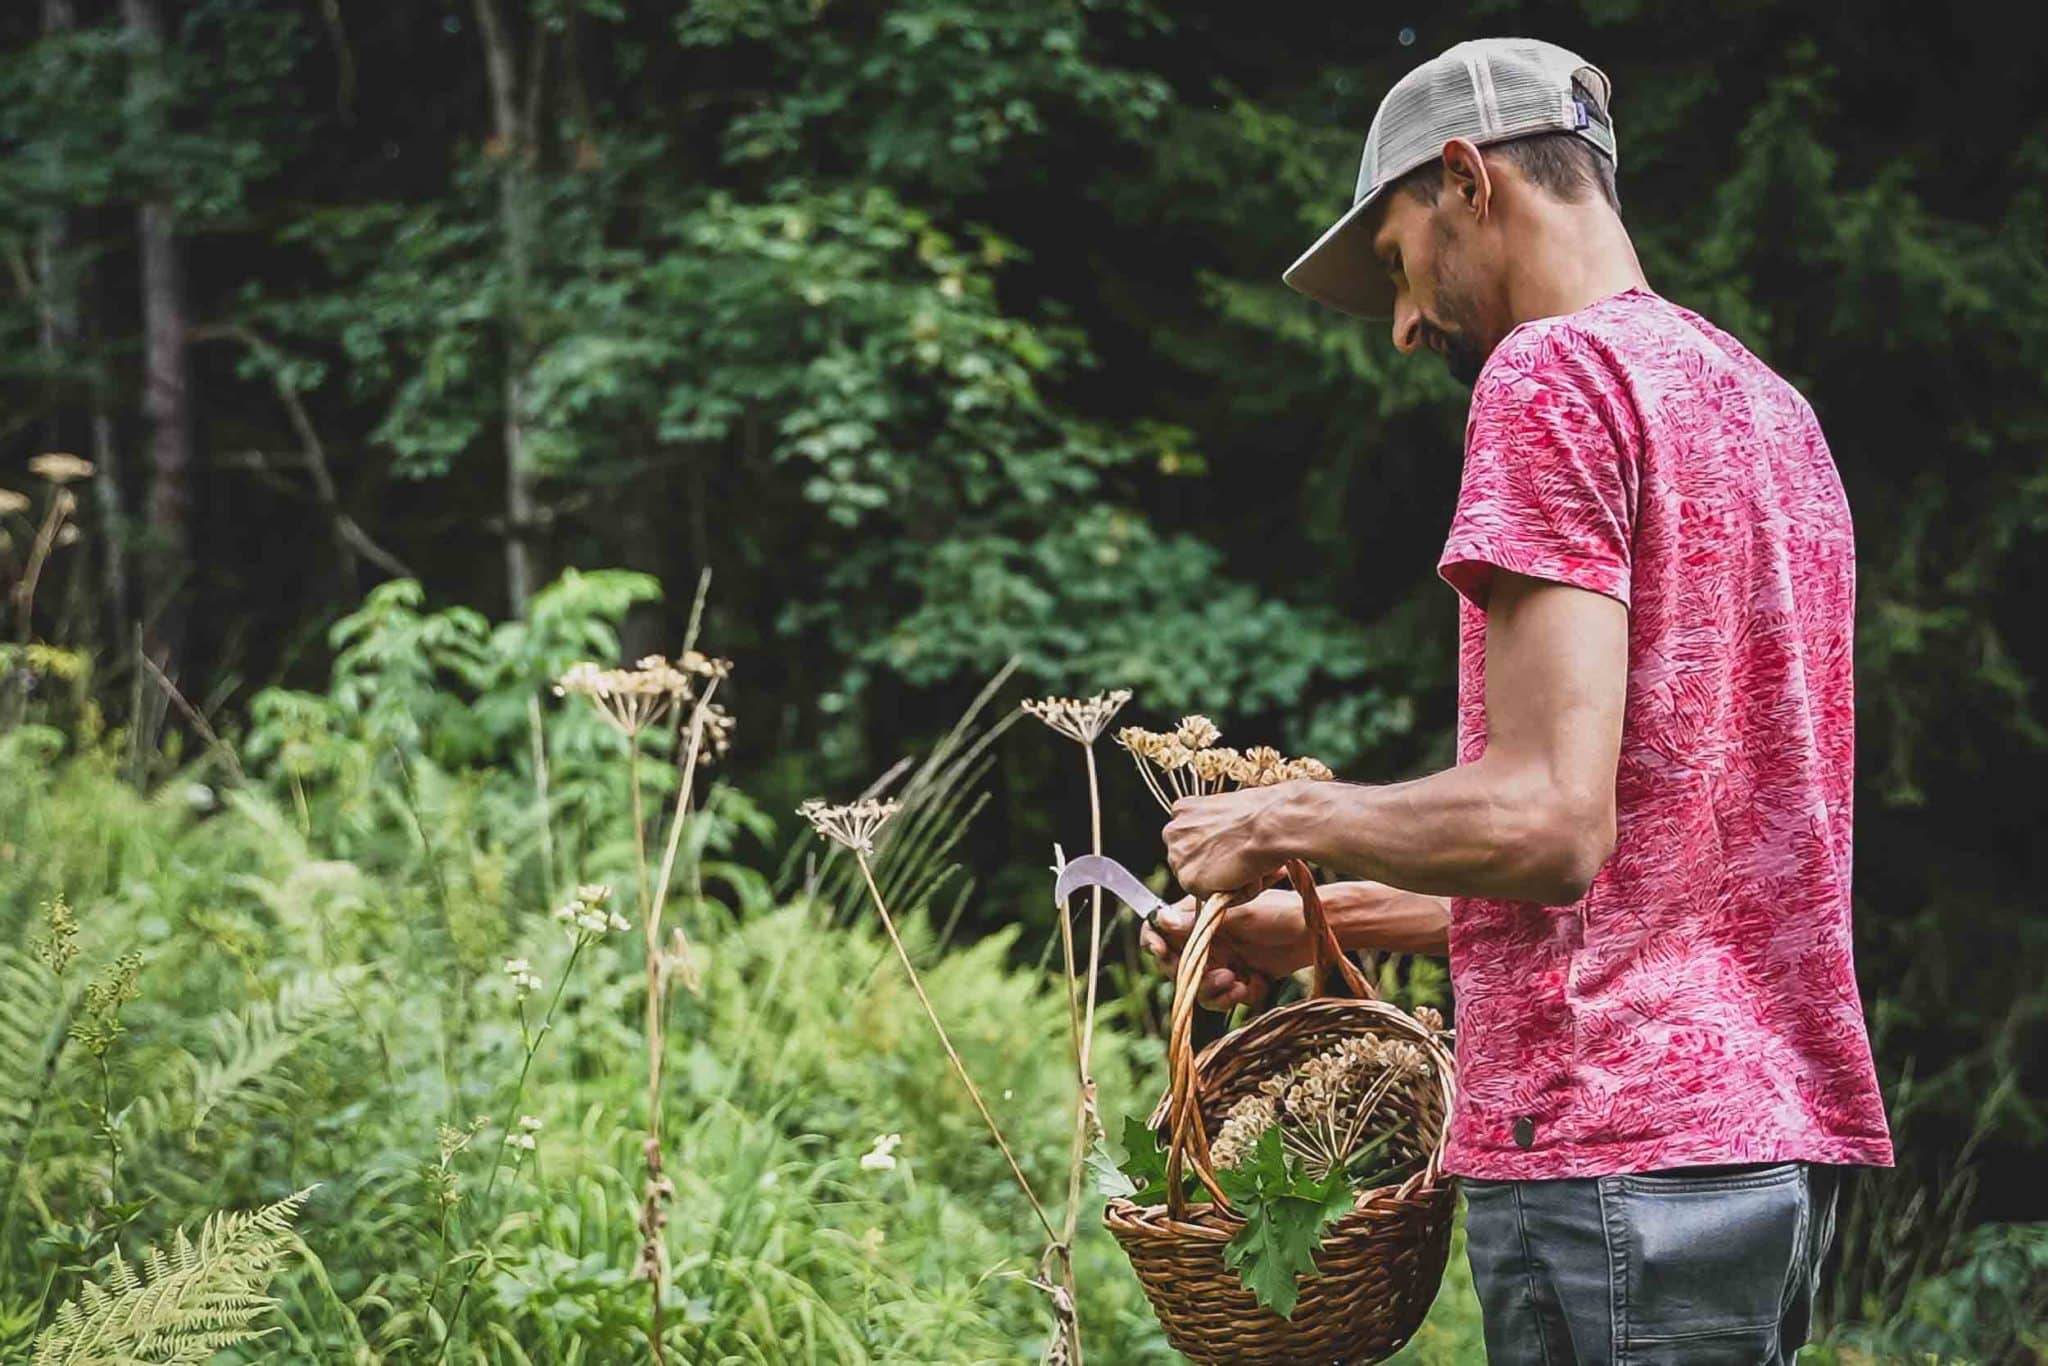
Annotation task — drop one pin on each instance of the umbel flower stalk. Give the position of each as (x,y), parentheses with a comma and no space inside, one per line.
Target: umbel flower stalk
(1082,720)
(1187,762)
(855,826)
(631,701)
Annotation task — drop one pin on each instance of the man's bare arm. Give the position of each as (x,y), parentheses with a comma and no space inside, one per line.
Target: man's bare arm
(1532,819)
(1380,919)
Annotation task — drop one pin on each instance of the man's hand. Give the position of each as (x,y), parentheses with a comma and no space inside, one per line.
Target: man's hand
(1229,840)
(1263,939)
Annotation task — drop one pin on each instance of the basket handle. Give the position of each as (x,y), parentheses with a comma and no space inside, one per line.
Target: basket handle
(1187,1139)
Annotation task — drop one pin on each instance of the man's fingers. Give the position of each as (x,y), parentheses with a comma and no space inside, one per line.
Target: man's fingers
(1220,990)
(1156,945)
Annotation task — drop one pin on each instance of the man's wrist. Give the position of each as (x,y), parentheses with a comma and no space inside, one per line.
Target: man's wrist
(1295,824)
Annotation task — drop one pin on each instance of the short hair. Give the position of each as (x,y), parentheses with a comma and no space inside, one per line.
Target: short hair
(1563,165)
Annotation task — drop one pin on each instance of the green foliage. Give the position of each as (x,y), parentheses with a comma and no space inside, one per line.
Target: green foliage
(187,1304)
(1285,1211)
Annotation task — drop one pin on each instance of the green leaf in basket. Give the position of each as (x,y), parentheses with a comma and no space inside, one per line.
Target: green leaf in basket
(1285,1212)
(1109,1178)
(1141,1176)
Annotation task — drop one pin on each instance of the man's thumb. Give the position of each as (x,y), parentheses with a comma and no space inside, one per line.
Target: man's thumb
(1176,920)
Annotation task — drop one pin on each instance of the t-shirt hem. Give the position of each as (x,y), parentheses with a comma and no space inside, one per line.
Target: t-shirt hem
(1556,1162)
(1469,560)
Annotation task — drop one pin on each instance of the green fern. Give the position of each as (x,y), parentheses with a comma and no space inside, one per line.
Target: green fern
(246,1068)
(34,1015)
(180,1306)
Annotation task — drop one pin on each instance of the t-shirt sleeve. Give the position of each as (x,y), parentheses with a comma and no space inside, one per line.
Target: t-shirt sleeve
(1546,492)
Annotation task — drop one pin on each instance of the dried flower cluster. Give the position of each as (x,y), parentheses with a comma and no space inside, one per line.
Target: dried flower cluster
(12,501)
(1324,1107)
(587,913)
(1187,762)
(59,467)
(1081,719)
(633,699)
(854,825)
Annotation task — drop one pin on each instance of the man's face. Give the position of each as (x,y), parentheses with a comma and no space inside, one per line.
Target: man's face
(1429,253)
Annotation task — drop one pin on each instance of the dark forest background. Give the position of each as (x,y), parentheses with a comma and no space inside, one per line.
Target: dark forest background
(946,333)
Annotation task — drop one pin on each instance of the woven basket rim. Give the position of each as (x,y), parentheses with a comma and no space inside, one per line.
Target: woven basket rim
(1253,1037)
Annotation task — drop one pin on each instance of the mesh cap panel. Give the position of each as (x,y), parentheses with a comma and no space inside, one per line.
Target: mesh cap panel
(1486,91)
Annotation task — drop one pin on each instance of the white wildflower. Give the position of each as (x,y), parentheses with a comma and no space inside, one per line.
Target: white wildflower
(525,981)
(586,914)
(881,1157)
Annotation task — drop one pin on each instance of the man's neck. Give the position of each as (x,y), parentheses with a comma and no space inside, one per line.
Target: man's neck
(1570,256)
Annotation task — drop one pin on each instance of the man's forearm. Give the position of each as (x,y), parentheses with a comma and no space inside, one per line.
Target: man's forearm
(1482,829)
(1380,919)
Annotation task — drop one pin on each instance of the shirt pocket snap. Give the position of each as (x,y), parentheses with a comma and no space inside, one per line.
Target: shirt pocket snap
(1704,1261)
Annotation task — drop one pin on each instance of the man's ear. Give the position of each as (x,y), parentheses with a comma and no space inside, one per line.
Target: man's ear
(1465,175)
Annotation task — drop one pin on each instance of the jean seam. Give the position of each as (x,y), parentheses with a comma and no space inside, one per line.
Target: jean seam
(1797,1271)
(1617,1281)
(1529,1274)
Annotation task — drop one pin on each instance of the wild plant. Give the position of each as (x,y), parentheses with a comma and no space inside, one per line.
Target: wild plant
(633,701)
(854,827)
(586,918)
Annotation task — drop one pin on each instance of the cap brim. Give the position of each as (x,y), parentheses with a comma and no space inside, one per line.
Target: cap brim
(1340,269)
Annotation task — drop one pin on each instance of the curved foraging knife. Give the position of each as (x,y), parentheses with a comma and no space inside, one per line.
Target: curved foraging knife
(1099,870)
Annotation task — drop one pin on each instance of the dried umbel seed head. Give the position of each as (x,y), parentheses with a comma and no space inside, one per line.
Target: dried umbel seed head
(854,825)
(718,727)
(1243,1127)
(1081,719)
(60,467)
(1330,1102)
(1197,732)
(633,699)
(1264,766)
(1217,766)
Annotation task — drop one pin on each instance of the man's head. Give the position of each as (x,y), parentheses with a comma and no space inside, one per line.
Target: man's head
(1476,161)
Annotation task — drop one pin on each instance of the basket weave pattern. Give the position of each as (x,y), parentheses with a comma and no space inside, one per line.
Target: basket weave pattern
(1381,1263)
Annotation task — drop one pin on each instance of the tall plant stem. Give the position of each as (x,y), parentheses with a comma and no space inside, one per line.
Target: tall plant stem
(511,1117)
(1094,935)
(656,1047)
(683,789)
(959,1067)
(540,789)
(652,927)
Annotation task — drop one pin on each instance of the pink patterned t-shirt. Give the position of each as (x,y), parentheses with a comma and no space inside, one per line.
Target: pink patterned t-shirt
(1699,1004)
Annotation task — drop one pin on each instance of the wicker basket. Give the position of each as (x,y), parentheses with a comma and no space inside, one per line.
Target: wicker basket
(1381,1264)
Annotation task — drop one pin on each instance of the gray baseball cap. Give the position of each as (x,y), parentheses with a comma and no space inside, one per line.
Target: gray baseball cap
(1485,91)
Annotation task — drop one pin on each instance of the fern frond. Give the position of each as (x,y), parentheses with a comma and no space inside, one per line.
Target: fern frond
(33,1016)
(185,1304)
(245,1066)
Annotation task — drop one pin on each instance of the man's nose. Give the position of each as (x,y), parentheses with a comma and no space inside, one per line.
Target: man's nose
(1407,327)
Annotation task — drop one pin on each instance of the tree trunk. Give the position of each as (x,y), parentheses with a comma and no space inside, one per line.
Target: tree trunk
(62,283)
(166,406)
(512,146)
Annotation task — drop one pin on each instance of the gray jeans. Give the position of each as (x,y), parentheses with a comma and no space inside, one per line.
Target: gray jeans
(1702,1265)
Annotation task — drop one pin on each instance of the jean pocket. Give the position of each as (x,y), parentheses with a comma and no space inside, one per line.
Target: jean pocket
(1703,1262)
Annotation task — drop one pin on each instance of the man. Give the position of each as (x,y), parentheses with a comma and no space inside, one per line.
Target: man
(1640,867)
